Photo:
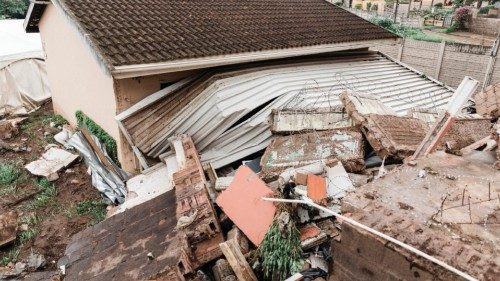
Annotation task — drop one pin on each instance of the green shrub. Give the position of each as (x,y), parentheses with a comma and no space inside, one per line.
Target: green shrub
(484,10)
(375,7)
(108,141)
(280,252)
(438,5)
(368,6)
(358,6)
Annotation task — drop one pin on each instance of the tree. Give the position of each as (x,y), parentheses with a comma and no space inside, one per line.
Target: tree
(13,9)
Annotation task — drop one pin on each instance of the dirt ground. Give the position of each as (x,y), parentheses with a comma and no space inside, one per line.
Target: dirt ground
(49,213)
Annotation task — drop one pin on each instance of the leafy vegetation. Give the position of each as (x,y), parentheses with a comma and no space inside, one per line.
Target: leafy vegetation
(108,141)
(484,10)
(48,191)
(27,235)
(13,9)
(280,251)
(95,209)
(10,176)
(11,256)
(404,31)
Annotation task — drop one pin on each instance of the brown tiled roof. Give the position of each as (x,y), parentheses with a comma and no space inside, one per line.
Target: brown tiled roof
(129,32)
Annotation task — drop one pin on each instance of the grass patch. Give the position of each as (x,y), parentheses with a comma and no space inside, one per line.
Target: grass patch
(409,32)
(10,175)
(95,209)
(27,235)
(30,220)
(56,119)
(48,191)
(11,256)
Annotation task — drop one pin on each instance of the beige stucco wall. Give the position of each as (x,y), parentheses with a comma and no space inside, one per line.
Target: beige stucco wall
(77,80)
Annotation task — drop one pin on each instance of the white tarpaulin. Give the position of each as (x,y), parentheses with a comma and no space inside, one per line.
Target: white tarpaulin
(23,77)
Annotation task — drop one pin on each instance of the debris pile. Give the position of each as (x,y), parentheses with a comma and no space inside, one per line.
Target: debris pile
(414,178)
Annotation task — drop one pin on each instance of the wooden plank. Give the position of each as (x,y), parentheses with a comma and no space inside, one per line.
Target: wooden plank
(96,149)
(237,261)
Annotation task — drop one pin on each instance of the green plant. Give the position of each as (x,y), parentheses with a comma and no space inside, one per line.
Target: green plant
(95,209)
(27,235)
(9,173)
(368,6)
(358,6)
(484,10)
(57,119)
(280,250)
(48,191)
(30,220)
(9,257)
(375,7)
(439,5)
(13,9)
(108,141)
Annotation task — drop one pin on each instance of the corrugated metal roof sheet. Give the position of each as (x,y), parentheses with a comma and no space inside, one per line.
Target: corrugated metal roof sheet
(217,102)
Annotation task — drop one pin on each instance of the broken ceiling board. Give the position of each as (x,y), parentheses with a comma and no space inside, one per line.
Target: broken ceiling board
(298,150)
(466,131)
(487,102)
(430,213)
(226,130)
(393,136)
(338,181)
(8,227)
(288,121)
(242,203)
(118,247)
(51,162)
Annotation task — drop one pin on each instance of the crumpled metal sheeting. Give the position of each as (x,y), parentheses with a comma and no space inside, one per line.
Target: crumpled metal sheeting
(110,183)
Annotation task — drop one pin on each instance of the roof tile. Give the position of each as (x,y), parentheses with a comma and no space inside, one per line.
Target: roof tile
(142,29)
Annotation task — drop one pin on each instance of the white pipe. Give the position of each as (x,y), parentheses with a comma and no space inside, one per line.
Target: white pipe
(309,202)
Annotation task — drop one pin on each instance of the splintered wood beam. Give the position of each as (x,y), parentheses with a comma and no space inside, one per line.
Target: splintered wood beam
(237,261)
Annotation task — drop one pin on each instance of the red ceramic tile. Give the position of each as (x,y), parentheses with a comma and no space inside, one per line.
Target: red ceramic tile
(242,202)
(316,188)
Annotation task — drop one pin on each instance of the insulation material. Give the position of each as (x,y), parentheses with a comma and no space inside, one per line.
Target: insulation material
(227,111)
(23,76)
(298,150)
(110,183)
(242,203)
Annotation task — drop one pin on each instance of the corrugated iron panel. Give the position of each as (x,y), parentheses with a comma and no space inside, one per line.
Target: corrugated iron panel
(210,108)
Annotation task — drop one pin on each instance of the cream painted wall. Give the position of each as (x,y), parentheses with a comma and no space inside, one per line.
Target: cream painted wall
(77,80)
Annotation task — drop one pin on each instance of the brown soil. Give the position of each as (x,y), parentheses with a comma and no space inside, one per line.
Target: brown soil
(55,227)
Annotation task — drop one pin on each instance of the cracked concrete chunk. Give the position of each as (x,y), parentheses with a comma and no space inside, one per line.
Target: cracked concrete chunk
(298,150)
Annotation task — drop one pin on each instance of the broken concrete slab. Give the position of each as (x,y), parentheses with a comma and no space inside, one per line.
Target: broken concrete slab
(487,102)
(293,121)
(359,105)
(452,214)
(51,162)
(8,227)
(298,150)
(146,186)
(242,202)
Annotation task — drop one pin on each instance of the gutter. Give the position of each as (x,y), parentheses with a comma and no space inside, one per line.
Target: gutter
(136,70)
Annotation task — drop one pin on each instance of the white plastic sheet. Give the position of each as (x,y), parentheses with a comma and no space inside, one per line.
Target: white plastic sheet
(23,76)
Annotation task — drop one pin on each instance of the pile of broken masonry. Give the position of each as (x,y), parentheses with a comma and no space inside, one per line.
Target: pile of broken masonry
(429,180)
